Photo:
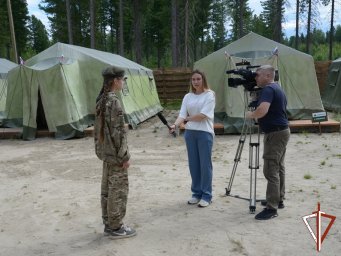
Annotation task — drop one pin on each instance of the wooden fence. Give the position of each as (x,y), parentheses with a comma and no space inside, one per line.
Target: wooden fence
(321,68)
(173,83)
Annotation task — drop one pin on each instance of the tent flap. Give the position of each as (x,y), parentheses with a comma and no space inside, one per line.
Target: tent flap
(331,96)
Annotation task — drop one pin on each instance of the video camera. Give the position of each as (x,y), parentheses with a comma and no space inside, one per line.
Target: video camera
(248,77)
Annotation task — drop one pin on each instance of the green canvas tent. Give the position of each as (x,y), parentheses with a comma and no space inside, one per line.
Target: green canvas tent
(331,96)
(57,89)
(297,77)
(5,66)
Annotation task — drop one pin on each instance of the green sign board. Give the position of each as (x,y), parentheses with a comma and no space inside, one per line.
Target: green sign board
(319,117)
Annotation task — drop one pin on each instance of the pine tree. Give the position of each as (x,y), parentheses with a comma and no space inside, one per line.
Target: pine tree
(20,20)
(38,38)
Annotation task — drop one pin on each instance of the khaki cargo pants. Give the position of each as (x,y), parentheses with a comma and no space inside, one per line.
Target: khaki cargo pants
(275,144)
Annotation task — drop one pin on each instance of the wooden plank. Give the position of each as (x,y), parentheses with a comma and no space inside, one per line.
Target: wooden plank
(309,126)
(173,88)
(173,78)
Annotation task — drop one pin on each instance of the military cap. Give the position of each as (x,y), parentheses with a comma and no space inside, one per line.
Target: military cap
(113,72)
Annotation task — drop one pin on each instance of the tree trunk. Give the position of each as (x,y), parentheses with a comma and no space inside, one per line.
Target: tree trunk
(92,23)
(158,51)
(277,32)
(11,25)
(186,34)
(174,34)
(137,31)
(297,23)
(69,21)
(121,44)
(308,28)
(241,19)
(331,33)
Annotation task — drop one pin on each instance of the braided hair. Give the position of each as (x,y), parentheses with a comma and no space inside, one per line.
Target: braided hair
(100,110)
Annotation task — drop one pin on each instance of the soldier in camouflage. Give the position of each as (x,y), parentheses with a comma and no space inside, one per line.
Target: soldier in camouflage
(111,147)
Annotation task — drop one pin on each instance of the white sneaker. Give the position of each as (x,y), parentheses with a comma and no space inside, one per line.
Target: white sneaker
(203,203)
(193,200)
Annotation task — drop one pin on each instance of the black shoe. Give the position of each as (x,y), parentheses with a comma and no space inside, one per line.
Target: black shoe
(280,204)
(266,214)
(123,232)
(107,230)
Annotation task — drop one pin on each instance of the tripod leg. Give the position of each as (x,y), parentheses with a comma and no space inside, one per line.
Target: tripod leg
(237,158)
(254,166)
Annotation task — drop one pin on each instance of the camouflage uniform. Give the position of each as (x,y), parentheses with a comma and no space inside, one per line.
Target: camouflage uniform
(113,152)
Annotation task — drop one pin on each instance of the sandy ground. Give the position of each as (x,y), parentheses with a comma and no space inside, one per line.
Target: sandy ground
(50,190)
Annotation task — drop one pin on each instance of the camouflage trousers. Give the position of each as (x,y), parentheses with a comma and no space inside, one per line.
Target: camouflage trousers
(114,195)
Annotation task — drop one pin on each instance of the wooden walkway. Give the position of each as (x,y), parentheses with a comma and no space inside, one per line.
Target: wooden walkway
(296,126)
(308,126)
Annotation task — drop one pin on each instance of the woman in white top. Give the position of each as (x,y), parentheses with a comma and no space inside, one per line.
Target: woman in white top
(197,112)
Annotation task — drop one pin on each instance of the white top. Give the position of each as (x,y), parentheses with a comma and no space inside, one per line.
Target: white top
(203,103)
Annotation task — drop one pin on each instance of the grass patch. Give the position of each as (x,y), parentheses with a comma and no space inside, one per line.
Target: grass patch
(171,104)
(307,176)
(337,117)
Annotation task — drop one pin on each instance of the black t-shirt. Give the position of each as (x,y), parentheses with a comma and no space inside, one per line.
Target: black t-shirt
(276,116)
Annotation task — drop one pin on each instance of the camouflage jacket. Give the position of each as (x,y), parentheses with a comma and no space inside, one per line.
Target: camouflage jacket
(114,148)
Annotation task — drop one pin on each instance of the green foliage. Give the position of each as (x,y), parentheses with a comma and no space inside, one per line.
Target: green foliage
(218,20)
(207,30)
(337,35)
(171,104)
(259,25)
(241,19)
(307,176)
(20,18)
(28,53)
(273,17)
(38,38)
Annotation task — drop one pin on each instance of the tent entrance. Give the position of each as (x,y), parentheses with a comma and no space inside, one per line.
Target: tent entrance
(41,119)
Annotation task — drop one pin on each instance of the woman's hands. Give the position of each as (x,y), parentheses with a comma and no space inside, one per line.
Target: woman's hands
(172,128)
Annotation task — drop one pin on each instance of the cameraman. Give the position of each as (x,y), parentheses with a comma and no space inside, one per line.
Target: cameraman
(273,121)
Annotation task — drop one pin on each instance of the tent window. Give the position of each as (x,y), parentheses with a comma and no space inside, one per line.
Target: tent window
(125,89)
(333,76)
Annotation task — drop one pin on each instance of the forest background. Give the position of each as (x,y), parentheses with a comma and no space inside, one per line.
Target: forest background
(164,33)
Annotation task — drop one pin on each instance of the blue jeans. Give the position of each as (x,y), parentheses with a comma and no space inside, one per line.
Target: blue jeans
(199,149)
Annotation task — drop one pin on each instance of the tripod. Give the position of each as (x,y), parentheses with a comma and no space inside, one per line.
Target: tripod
(247,130)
